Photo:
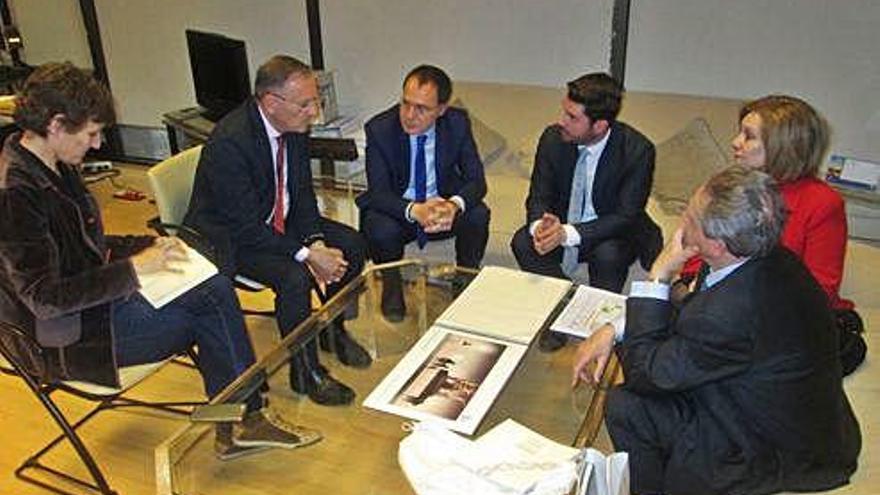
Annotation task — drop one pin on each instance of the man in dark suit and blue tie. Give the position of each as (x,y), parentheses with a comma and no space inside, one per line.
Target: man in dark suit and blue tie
(589,186)
(253,199)
(425,180)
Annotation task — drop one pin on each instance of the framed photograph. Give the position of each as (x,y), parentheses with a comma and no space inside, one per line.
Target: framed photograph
(450,377)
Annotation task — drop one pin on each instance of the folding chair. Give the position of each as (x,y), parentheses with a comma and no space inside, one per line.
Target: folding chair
(25,358)
(172,183)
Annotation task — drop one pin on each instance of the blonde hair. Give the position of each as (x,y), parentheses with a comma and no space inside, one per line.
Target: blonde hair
(795,136)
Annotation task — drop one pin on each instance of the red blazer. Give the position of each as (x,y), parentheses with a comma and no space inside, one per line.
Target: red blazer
(815,232)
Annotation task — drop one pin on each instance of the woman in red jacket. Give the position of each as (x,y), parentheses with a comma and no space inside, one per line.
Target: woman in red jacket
(787,138)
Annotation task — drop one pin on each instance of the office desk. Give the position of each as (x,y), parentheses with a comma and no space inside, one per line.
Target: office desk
(358,454)
(187,127)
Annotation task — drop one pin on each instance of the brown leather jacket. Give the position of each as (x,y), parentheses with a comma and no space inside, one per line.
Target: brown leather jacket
(56,282)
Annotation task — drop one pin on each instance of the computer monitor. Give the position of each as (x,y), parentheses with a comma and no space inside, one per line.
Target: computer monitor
(220,72)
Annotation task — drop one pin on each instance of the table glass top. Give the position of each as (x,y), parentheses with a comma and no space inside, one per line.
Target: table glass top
(358,454)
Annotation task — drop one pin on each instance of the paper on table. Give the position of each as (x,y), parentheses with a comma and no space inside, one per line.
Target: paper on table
(508,460)
(504,303)
(589,309)
(514,456)
(160,288)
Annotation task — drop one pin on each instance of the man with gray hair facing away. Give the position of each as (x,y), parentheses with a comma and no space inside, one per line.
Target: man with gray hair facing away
(738,391)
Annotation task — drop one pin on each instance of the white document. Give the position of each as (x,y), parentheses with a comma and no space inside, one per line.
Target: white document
(514,456)
(430,460)
(448,377)
(162,287)
(504,303)
(589,309)
(509,459)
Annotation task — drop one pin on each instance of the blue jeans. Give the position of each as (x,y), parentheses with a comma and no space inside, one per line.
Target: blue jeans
(207,316)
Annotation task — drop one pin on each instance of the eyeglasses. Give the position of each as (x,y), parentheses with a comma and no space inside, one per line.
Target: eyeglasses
(420,110)
(301,106)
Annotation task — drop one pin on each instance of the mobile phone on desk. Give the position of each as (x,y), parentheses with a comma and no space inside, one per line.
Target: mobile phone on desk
(218,413)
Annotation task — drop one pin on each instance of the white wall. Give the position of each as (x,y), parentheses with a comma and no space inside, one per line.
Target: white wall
(51,38)
(827,52)
(145,46)
(373,44)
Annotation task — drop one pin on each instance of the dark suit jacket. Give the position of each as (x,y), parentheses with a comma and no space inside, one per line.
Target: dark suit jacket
(56,279)
(753,362)
(620,188)
(457,164)
(234,189)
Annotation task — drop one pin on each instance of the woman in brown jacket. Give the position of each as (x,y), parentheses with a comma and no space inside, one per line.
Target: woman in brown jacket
(60,283)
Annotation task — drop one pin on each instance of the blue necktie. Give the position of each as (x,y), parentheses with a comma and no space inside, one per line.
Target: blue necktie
(576,205)
(421,184)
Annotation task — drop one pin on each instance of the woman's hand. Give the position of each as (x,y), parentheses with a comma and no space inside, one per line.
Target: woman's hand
(159,256)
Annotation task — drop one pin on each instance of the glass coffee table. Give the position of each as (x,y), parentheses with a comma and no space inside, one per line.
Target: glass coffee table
(358,454)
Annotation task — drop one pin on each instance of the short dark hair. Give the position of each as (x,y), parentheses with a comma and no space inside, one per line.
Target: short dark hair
(275,72)
(599,93)
(429,74)
(62,89)
(744,210)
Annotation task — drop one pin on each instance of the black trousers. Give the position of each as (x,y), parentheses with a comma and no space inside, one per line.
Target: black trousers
(292,281)
(386,236)
(647,428)
(608,261)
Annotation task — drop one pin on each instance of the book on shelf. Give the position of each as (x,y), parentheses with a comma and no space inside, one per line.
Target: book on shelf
(457,369)
(343,125)
(162,287)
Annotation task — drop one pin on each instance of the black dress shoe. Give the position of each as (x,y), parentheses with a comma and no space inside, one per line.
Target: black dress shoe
(319,386)
(348,351)
(393,305)
(459,284)
(551,341)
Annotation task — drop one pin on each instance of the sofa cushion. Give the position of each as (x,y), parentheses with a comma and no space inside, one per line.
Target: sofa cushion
(684,161)
(506,198)
(490,144)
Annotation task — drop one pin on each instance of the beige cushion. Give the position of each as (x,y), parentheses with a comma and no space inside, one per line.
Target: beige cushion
(506,197)
(521,161)
(129,376)
(684,161)
(490,144)
(172,182)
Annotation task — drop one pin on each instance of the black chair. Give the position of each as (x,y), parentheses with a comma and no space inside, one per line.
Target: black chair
(25,359)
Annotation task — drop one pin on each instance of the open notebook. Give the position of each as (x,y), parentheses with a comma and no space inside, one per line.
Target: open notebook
(454,373)
(162,287)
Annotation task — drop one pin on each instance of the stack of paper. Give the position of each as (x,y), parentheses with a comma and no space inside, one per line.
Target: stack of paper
(510,459)
(504,303)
